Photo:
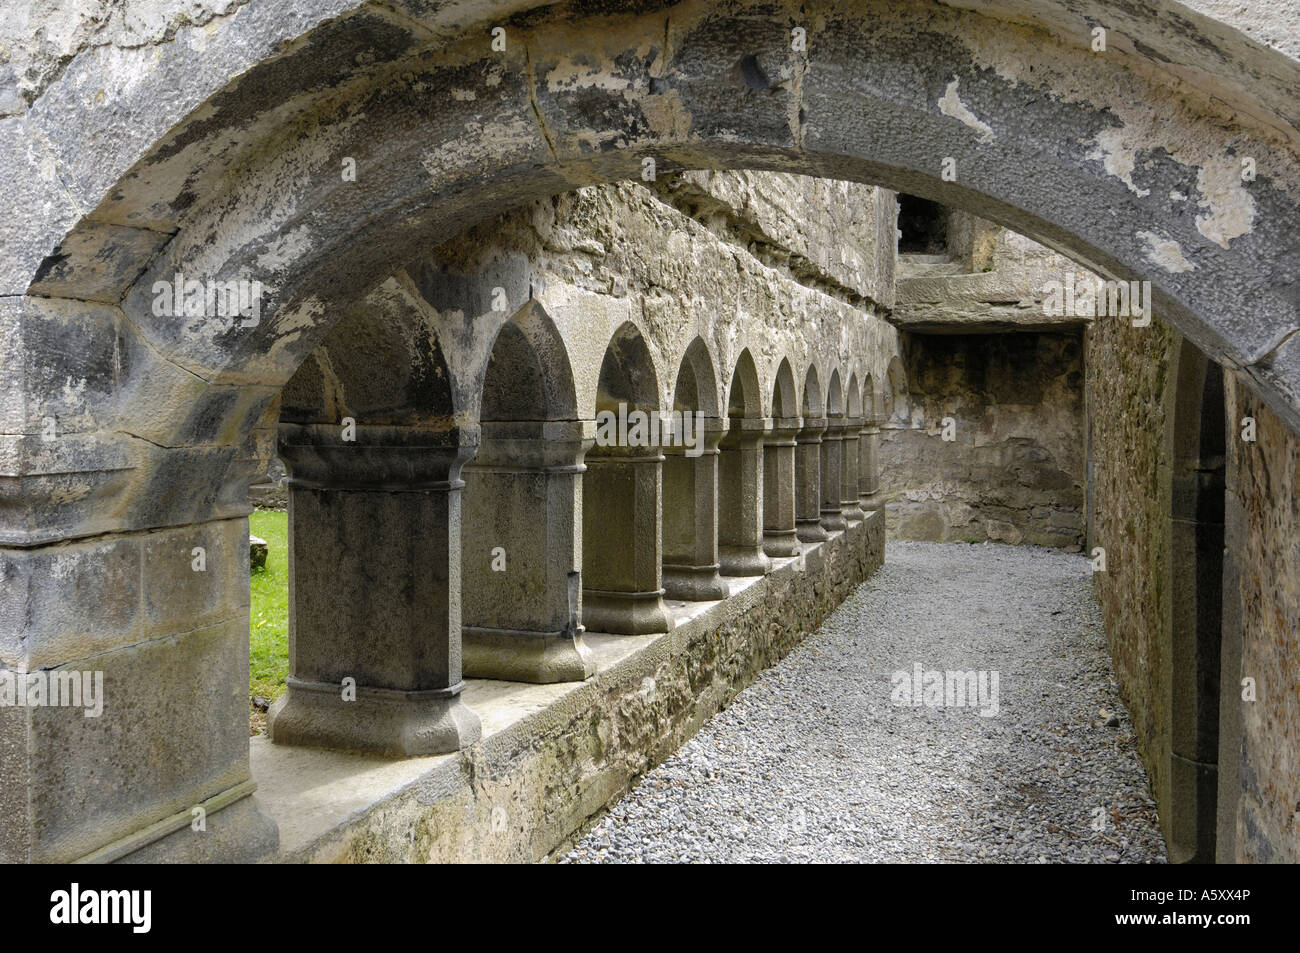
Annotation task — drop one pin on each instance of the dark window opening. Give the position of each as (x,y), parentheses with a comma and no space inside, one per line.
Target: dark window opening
(924,226)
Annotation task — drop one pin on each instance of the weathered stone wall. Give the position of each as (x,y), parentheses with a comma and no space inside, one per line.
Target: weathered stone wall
(1014,472)
(1267,495)
(1130,411)
(993,280)
(600,256)
(836,236)
(1128,507)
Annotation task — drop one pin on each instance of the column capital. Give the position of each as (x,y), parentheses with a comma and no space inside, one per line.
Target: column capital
(783,430)
(812,430)
(379,458)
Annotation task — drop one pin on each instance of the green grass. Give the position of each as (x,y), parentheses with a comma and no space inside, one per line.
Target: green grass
(268,629)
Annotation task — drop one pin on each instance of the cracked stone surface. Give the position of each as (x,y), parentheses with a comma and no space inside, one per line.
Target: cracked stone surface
(814,762)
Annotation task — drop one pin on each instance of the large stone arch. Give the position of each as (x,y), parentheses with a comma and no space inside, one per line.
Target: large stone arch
(241,177)
(218,152)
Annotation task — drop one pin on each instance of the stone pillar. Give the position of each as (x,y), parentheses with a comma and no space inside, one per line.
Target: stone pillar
(849,470)
(832,476)
(621,542)
(522,591)
(152,629)
(808,481)
(869,464)
(740,499)
(690,520)
(374,589)
(123,598)
(780,538)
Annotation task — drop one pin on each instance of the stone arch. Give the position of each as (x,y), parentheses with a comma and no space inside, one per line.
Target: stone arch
(808,461)
(744,398)
(853,397)
(351,510)
(627,373)
(740,475)
(834,395)
(229,170)
(388,330)
(242,182)
(696,388)
(528,376)
(852,450)
(780,476)
(520,552)
(690,485)
(897,407)
(622,546)
(785,398)
(1195,617)
(832,457)
(869,449)
(812,405)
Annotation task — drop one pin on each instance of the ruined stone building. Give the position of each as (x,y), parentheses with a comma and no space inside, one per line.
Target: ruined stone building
(605,345)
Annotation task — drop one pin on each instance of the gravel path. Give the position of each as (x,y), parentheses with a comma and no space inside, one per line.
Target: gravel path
(815,762)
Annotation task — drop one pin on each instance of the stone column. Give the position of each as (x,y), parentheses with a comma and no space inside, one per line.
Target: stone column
(740,499)
(808,481)
(690,520)
(129,651)
(849,470)
(869,464)
(780,538)
(375,589)
(621,542)
(832,476)
(522,558)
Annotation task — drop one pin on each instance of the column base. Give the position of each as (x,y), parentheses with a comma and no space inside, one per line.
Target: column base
(811,531)
(522,656)
(236,834)
(743,561)
(694,583)
(779,543)
(833,521)
(625,613)
(852,511)
(380,721)
(870,502)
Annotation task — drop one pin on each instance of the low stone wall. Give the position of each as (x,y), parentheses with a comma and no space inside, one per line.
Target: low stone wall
(554,756)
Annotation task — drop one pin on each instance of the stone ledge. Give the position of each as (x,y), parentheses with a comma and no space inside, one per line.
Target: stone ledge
(553,756)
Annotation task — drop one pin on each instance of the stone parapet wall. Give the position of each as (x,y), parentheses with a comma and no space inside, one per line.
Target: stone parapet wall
(525,790)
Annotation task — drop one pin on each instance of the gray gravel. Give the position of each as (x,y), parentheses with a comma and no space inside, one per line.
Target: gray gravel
(815,762)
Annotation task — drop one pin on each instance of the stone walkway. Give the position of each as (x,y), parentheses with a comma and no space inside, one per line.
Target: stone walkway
(817,762)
